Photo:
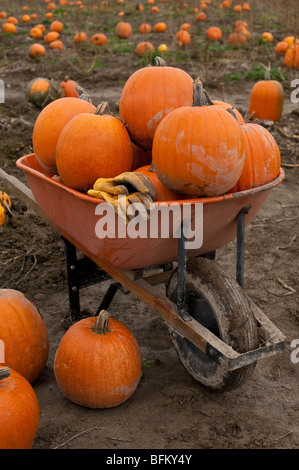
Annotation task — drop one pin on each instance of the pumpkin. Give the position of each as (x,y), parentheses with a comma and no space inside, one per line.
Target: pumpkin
(281,48)
(24,333)
(56,26)
(41,27)
(123,30)
(236,39)
(12,20)
(57,44)
(25,18)
(201,16)
(144,48)
(226,106)
(3,14)
(262,158)
(80,37)
(5,207)
(9,28)
(49,124)
(150,94)
(140,157)
(160,27)
(90,146)
(50,37)
(98,363)
(240,26)
(185,26)
(214,33)
(36,50)
(19,411)
(201,163)
(267,37)
(41,91)
(99,39)
(183,37)
(70,88)
(266,99)
(145,28)
(162,193)
(292,57)
(36,33)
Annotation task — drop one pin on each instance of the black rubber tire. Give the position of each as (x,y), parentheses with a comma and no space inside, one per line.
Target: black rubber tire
(216,301)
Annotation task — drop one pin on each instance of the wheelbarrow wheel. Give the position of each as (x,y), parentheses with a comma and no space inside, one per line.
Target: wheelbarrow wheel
(216,301)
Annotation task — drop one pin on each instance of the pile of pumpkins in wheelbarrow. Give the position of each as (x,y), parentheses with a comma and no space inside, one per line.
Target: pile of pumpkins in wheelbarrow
(171,137)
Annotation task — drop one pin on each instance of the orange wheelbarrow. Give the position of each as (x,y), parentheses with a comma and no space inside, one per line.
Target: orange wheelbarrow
(217,330)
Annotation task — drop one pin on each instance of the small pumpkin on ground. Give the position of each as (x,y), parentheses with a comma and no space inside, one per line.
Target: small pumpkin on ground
(41,91)
(266,99)
(98,363)
(24,333)
(19,411)
(5,208)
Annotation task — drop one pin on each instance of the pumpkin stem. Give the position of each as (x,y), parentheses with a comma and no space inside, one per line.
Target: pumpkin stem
(101,326)
(160,62)
(83,95)
(102,108)
(268,72)
(200,96)
(4,373)
(232,112)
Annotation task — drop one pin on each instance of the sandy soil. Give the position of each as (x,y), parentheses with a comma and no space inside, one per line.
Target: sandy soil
(169,409)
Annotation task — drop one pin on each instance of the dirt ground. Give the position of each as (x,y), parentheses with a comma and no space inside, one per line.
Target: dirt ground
(169,409)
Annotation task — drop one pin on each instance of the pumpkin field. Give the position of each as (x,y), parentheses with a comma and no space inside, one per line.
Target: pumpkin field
(160,77)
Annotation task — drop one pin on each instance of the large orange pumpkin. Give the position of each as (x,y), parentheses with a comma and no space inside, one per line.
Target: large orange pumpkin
(266,99)
(98,363)
(123,30)
(262,158)
(292,57)
(149,95)
(92,146)
(19,411)
(202,162)
(162,193)
(49,124)
(24,334)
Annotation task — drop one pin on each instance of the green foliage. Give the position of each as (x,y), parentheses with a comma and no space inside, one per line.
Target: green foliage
(256,73)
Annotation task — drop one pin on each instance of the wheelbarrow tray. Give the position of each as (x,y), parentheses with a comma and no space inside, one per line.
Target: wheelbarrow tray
(74,215)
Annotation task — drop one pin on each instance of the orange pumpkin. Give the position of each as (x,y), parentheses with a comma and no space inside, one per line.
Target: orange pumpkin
(266,99)
(69,88)
(56,26)
(12,20)
(90,146)
(99,39)
(144,48)
(292,57)
(80,37)
(36,33)
(201,16)
(37,50)
(50,37)
(214,33)
(215,152)
(9,28)
(3,14)
(24,334)
(167,89)
(19,411)
(183,37)
(49,124)
(281,48)
(145,28)
(262,158)
(140,157)
(160,27)
(267,37)
(98,363)
(57,44)
(123,30)
(162,193)
(226,106)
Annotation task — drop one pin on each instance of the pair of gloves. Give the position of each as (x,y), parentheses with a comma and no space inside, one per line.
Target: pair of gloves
(133,187)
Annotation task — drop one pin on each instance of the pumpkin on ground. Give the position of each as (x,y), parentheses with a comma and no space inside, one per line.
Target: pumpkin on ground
(5,207)
(49,124)
(266,99)
(41,91)
(149,95)
(262,158)
(92,146)
(70,88)
(98,363)
(207,162)
(19,411)
(123,30)
(292,57)
(144,48)
(24,333)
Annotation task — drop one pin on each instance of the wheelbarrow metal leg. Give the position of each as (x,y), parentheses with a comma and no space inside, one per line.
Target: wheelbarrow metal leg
(182,260)
(240,245)
(109,295)
(73,288)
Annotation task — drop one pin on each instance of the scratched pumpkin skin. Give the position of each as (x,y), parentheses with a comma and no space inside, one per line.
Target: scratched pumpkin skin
(148,96)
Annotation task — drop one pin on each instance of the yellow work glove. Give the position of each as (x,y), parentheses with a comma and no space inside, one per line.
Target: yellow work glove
(135,187)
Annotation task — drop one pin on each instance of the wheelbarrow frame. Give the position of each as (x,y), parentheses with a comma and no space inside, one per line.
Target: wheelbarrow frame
(89,270)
